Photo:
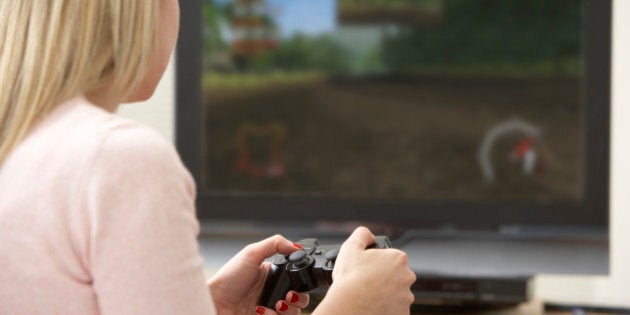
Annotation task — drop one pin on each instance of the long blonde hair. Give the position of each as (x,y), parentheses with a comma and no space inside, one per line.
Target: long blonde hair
(54,50)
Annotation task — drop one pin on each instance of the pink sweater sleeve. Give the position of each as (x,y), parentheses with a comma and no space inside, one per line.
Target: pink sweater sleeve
(142,246)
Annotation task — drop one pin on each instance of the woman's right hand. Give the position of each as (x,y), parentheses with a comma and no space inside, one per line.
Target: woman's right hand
(368,281)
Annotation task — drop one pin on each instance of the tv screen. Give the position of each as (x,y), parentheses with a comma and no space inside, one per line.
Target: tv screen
(425,111)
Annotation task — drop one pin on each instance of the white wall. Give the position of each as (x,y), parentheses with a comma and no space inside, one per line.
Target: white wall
(613,289)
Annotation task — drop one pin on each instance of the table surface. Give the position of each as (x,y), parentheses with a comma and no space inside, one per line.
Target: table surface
(531,308)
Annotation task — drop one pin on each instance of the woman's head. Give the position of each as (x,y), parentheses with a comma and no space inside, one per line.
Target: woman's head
(112,51)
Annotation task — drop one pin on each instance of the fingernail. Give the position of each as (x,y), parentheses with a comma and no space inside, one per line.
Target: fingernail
(298,245)
(294,297)
(260,310)
(283,306)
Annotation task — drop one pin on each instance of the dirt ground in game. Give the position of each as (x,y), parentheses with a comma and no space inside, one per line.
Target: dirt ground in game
(394,138)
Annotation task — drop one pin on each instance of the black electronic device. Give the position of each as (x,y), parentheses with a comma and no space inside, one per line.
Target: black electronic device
(304,270)
(441,290)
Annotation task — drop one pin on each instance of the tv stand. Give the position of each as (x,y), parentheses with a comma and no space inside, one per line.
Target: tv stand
(482,268)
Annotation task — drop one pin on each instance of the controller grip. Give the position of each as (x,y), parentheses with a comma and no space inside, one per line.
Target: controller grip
(277,285)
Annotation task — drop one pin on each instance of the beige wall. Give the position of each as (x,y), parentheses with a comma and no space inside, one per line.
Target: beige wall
(159,111)
(614,289)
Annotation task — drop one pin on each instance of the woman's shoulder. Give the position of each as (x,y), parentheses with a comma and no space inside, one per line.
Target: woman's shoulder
(79,137)
(122,145)
(84,128)
(112,131)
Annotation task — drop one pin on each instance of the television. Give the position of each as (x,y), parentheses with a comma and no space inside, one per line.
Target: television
(421,118)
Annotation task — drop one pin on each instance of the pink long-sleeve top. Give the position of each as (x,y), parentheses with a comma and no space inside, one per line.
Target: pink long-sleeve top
(97,217)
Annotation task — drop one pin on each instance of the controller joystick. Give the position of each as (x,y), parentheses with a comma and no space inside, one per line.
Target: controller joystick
(299,259)
(304,270)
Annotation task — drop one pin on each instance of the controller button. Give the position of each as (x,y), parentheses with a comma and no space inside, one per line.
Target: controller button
(331,254)
(297,256)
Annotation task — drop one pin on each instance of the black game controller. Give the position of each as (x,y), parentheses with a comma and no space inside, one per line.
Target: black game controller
(304,270)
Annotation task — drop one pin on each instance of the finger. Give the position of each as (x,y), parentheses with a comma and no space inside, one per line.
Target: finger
(269,247)
(284,308)
(411,277)
(361,238)
(297,299)
(264,311)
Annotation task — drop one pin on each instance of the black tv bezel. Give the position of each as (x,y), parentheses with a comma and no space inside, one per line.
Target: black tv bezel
(591,212)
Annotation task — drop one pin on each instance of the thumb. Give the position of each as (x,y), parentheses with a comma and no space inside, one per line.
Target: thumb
(360,239)
(268,247)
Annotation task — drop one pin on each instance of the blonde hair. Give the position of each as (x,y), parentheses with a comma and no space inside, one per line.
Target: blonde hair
(54,50)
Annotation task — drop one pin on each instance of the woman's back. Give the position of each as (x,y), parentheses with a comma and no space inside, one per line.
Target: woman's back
(95,205)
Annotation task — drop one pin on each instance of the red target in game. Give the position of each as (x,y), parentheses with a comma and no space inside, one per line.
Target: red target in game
(259,150)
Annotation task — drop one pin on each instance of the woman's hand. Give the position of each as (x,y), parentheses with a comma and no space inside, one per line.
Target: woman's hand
(368,281)
(237,287)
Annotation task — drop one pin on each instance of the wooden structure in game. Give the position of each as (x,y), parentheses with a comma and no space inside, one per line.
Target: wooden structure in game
(253,30)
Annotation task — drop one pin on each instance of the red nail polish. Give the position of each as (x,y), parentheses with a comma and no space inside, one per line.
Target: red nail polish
(298,245)
(294,297)
(283,306)
(260,310)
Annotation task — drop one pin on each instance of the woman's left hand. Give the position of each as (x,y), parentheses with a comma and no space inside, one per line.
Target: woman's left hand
(237,287)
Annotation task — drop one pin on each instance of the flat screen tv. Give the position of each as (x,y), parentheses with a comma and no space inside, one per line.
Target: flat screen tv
(466,113)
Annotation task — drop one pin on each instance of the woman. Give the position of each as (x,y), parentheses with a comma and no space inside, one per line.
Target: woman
(97,212)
